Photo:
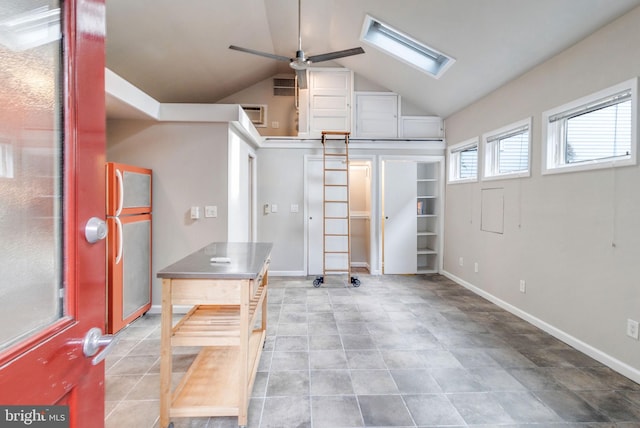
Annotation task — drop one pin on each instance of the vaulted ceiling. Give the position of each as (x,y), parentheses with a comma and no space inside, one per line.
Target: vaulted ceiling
(177,51)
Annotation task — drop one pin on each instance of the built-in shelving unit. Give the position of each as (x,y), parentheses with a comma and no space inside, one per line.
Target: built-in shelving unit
(428,200)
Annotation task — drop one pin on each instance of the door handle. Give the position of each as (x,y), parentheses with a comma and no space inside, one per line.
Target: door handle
(94,340)
(95,230)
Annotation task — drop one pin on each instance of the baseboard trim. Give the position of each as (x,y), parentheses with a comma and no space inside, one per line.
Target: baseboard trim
(287,273)
(595,353)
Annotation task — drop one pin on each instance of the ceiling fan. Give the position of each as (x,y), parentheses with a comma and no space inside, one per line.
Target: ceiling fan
(301,62)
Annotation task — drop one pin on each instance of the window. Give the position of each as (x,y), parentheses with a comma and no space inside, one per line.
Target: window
(593,132)
(395,43)
(506,151)
(6,158)
(463,161)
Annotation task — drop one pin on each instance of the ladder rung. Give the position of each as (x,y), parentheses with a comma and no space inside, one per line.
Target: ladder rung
(336,234)
(335,201)
(336,252)
(335,218)
(342,155)
(345,133)
(336,169)
(335,185)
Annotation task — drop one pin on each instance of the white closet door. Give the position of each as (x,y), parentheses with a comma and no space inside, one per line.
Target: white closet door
(315,216)
(399,213)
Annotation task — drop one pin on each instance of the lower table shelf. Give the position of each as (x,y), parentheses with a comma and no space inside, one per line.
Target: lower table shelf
(211,385)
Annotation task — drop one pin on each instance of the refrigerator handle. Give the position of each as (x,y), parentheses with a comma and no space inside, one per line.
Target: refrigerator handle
(119,237)
(120,193)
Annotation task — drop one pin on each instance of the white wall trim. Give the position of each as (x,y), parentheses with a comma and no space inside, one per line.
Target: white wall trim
(273,273)
(597,354)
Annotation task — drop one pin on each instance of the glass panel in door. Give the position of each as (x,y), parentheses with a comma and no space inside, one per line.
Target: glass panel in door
(31,159)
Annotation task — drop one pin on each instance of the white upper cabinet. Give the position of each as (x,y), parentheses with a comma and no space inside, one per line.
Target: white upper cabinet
(329,102)
(376,115)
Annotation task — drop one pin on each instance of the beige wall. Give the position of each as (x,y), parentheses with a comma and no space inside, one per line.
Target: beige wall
(575,237)
(280,109)
(189,163)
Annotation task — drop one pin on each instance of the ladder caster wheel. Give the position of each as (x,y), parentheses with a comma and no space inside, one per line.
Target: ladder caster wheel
(170,425)
(355,282)
(316,282)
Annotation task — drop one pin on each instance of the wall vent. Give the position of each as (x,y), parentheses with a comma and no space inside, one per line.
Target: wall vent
(284,86)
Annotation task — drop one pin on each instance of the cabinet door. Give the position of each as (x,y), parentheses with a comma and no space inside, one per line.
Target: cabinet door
(329,101)
(399,212)
(376,115)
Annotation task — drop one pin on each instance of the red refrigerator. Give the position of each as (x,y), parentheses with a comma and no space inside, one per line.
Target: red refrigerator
(128,244)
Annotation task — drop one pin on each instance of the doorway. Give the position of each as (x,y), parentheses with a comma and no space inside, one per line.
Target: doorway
(362,224)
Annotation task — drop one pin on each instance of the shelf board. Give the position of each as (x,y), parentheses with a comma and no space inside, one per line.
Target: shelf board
(427,233)
(211,385)
(426,251)
(213,325)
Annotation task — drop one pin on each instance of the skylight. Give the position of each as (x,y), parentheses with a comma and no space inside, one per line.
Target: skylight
(404,47)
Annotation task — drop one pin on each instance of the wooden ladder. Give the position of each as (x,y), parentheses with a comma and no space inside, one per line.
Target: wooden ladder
(336,213)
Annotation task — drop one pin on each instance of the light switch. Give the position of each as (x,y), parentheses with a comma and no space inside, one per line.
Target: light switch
(195,213)
(294,208)
(274,208)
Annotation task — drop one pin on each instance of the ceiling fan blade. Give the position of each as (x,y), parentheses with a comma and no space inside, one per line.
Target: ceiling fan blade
(264,54)
(334,55)
(302,78)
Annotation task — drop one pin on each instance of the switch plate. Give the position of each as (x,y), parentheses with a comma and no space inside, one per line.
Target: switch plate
(475,267)
(294,208)
(195,213)
(632,329)
(275,124)
(266,208)
(211,211)
(523,286)
(461,261)
(274,208)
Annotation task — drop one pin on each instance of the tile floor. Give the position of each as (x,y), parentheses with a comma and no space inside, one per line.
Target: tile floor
(399,351)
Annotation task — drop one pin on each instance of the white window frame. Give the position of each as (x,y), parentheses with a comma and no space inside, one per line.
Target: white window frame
(554,143)
(490,145)
(453,156)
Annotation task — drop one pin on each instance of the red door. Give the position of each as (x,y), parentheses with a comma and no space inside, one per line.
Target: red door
(52,154)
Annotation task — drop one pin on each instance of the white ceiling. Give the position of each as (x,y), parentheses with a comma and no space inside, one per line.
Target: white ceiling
(177,51)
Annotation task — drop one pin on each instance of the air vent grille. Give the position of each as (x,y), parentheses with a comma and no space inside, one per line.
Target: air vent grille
(284,86)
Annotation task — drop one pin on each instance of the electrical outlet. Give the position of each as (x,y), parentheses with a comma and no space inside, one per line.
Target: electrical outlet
(211,211)
(632,328)
(523,286)
(475,267)
(461,261)
(195,213)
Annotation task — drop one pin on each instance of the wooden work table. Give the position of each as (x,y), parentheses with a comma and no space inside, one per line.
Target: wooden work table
(227,295)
